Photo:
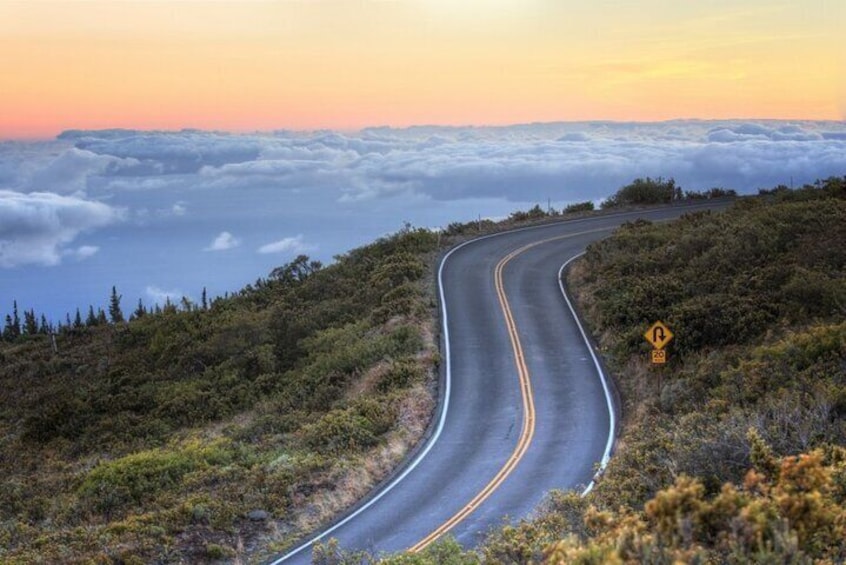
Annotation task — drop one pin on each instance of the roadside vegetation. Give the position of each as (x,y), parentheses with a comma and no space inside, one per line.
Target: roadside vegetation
(732,452)
(201,432)
(649,191)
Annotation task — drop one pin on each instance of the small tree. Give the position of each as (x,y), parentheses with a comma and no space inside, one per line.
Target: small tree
(30,322)
(16,320)
(645,191)
(115,313)
(45,328)
(8,329)
(91,320)
(140,312)
(296,271)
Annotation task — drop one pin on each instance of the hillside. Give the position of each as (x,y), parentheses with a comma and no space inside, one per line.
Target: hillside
(200,433)
(734,450)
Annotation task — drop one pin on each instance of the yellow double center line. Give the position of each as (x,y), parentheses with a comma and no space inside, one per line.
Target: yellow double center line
(528,430)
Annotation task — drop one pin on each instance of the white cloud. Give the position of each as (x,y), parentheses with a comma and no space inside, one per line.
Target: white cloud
(161,296)
(183,152)
(70,171)
(223,241)
(179,209)
(83,252)
(35,228)
(521,163)
(287,245)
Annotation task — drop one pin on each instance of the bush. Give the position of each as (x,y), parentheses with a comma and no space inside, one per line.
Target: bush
(579,207)
(645,191)
(535,213)
(340,431)
(401,374)
(114,485)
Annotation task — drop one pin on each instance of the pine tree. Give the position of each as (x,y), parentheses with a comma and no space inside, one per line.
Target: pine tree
(115,313)
(205,300)
(101,317)
(91,319)
(8,332)
(44,328)
(77,320)
(30,322)
(140,312)
(16,321)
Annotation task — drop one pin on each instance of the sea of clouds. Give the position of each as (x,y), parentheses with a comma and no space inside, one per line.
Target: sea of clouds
(164,214)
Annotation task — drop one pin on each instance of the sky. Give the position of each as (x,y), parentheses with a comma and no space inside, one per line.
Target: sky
(167,146)
(345,64)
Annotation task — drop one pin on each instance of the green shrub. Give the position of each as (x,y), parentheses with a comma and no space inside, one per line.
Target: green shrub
(216,551)
(645,191)
(339,431)
(577,207)
(401,374)
(113,485)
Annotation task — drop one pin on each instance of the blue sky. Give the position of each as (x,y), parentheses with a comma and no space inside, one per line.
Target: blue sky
(167,213)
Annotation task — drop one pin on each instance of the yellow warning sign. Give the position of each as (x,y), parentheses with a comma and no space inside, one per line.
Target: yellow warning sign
(658,334)
(659,356)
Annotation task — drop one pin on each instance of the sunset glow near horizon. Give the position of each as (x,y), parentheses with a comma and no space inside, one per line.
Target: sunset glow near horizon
(262,65)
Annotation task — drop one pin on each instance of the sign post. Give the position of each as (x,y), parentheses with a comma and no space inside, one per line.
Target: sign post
(658,335)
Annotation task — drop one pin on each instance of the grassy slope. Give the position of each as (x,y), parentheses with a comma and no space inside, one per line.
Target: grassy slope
(733,452)
(152,441)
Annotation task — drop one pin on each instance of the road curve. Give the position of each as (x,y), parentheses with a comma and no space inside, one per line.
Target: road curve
(523,411)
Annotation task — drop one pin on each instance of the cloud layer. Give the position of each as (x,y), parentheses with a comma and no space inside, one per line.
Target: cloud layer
(518,163)
(90,200)
(35,227)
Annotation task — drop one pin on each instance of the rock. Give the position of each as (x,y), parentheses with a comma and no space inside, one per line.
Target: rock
(258,515)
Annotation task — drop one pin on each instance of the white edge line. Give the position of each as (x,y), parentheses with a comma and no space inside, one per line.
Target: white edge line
(448,383)
(612,417)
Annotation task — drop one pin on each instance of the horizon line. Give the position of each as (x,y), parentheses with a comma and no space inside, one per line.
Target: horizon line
(248,131)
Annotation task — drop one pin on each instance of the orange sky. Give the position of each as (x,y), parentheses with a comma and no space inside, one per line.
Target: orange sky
(306,64)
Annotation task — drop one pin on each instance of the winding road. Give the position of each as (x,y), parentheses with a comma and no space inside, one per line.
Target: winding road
(524,408)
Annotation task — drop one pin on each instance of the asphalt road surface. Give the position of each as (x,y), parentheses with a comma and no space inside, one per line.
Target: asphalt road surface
(524,409)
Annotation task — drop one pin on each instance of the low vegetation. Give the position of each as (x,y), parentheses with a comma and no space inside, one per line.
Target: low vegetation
(203,432)
(649,191)
(733,451)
